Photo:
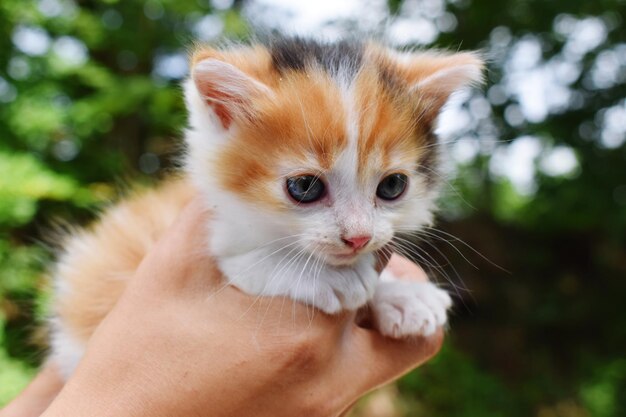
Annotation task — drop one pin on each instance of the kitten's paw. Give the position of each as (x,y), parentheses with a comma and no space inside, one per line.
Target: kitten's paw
(325,298)
(362,281)
(347,289)
(404,309)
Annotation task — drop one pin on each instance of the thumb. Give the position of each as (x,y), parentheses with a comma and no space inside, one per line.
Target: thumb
(388,359)
(181,255)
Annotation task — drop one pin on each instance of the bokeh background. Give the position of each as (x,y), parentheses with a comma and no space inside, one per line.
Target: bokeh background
(532,235)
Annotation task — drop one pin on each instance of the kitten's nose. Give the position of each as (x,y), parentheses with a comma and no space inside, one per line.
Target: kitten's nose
(356,242)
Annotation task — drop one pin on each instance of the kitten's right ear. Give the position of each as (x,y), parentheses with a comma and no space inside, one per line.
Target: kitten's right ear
(227,90)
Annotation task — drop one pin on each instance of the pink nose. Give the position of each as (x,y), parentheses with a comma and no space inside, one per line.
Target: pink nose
(356,242)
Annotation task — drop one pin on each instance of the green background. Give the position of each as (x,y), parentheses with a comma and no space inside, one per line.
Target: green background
(542,334)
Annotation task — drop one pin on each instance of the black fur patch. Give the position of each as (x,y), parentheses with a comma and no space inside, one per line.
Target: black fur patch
(295,54)
(389,79)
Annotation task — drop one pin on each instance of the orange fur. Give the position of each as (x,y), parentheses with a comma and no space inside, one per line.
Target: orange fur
(304,119)
(98,262)
(386,124)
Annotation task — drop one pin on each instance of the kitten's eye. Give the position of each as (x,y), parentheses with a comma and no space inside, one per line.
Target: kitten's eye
(306,188)
(392,186)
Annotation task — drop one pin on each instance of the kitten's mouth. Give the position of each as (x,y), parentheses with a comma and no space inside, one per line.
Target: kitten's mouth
(346,255)
(338,256)
(342,259)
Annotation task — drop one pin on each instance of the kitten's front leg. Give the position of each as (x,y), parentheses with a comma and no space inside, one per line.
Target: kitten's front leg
(408,308)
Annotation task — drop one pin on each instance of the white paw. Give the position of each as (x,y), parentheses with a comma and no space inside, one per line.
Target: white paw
(404,309)
(342,288)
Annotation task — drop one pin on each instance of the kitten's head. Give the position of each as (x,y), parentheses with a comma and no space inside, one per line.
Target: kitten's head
(331,143)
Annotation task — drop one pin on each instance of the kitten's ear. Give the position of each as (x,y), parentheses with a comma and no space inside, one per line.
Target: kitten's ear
(229,91)
(435,76)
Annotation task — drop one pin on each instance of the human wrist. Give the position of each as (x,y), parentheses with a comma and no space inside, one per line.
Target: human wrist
(106,384)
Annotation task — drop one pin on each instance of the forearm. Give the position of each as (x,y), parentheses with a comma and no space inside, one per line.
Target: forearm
(37,396)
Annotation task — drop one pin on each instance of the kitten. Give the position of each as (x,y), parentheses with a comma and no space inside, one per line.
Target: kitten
(311,157)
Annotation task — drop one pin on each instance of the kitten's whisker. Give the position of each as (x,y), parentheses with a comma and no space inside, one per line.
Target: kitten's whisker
(320,263)
(415,249)
(426,263)
(386,252)
(432,235)
(240,273)
(300,278)
(302,273)
(273,277)
(313,283)
(467,245)
(412,246)
(312,277)
(449,184)
(219,290)
(430,269)
(289,263)
(442,271)
(285,298)
(264,258)
(279,239)
(293,301)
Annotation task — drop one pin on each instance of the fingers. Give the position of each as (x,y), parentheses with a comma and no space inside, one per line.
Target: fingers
(190,228)
(379,359)
(376,360)
(182,254)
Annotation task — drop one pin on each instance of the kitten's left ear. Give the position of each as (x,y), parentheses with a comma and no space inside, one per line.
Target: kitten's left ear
(435,76)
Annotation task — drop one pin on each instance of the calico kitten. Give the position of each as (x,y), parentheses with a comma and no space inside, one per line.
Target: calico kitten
(311,156)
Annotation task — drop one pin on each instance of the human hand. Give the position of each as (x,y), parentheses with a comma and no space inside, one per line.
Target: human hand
(179,342)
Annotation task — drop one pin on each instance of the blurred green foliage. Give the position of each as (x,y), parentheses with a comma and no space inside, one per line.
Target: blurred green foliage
(90,101)
(80,105)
